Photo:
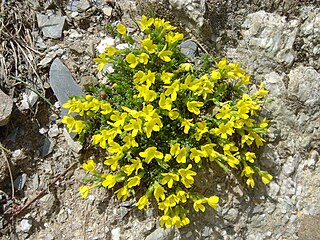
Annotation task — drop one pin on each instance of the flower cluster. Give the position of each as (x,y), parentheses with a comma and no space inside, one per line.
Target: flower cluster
(162,119)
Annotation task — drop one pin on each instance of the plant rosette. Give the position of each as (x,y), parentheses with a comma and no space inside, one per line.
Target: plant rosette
(162,119)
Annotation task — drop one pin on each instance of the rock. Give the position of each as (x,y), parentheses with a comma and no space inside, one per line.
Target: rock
(88,81)
(161,234)
(267,41)
(51,26)
(306,91)
(29,98)
(35,182)
(25,225)
(309,228)
(115,234)
(107,11)
(289,166)
(75,146)
(83,5)
(274,83)
(49,236)
(6,104)
(20,181)
(274,189)
(63,84)
(47,147)
(53,131)
(190,11)
(189,49)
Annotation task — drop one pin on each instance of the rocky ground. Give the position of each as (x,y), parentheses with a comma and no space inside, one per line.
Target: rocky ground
(276,41)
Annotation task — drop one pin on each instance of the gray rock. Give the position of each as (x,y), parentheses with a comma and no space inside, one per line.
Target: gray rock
(115,234)
(161,234)
(274,189)
(83,5)
(107,11)
(306,90)
(191,11)
(53,131)
(289,166)
(189,49)
(51,26)
(62,83)
(49,236)
(20,181)
(29,98)
(25,225)
(47,59)
(6,104)
(309,228)
(75,146)
(274,83)
(47,147)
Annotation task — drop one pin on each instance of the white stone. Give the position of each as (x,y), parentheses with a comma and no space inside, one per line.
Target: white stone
(115,234)
(26,225)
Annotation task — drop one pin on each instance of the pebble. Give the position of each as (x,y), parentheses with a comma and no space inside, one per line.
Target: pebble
(161,234)
(115,234)
(289,166)
(25,225)
(6,104)
(20,181)
(107,11)
(189,49)
(53,131)
(51,26)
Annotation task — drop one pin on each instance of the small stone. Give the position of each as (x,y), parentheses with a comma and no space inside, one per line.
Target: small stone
(47,147)
(26,225)
(47,59)
(16,153)
(51,26)
(123,211)
(88,81)
(6,104)
(91,199)
(74,34)
(83,5)
(189,49)
(28,100)
(35,182)
(49,236)
(63,84)
(115,234)
(107,11)
(53,131)
(20,181)
(75,146)
(289,166)
(161,234)
(43,130)
(274,189)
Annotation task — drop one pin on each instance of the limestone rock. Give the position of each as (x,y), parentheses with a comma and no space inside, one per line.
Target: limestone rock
(51,26)
(6,104)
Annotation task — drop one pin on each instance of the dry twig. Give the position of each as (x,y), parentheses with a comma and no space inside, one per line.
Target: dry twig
(4,150)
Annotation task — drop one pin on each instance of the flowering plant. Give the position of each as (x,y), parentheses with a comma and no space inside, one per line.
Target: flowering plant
(162,119)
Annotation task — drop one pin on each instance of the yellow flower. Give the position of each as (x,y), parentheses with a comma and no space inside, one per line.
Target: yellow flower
(224,112)
(262,92)
(145,23)
(101,60)
(247,171)
(166,221)
(132,60)
(166,77)
(264,123)
(105,108)
(89,166)
(172,37)
(168,179)
(111,51)
(135,125)
(198,204)
(173,114)
(122,193)
(194,106)
(182,195)
(172,90)
(167,157)
(130,141)
(222,64)
(266,177)
(213,201)
(154,124)
(224,130)
(143,58)
(196,154)
(171,201)
(148,45)
(186,123)
(215,74)
(84,191)
(165,103)
(181,155)
(250,156)
(246,139)
(159,193)
(78,126)
(112,161)
(69,121)
(250,182)
(165,54)
(147,94)
(122,29)
(119,119)
(134,181)
(114,147)
(201,129)
(151,153)
(208,151)
(110,181)
(174,150)
(187,176)
(143,202)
